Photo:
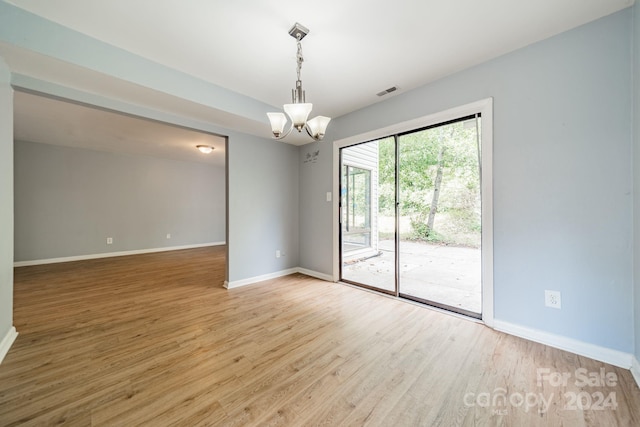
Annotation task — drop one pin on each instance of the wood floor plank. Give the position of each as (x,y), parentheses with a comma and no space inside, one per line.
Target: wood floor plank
(155,340)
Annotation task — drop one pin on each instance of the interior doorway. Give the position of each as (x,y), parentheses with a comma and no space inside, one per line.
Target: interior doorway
(140,183)
(411,214)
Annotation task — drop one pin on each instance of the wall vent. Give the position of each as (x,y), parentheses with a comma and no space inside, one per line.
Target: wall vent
(386,91)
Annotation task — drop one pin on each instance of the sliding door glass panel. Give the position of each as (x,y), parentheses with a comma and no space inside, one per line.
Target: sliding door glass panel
(357,209)
(367,214)
(439,216)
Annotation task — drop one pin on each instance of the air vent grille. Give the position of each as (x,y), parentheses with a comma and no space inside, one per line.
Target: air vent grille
(386,91)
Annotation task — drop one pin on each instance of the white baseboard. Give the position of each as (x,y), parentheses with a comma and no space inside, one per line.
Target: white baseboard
(602,354)
(256,279)
(113,254)
(7,341)
(635,370)
(315,274)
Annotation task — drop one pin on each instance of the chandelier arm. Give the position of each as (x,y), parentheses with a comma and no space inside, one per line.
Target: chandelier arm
(306,127)
(285,134)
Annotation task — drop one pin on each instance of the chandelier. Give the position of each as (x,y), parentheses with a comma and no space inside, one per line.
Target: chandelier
(299,109)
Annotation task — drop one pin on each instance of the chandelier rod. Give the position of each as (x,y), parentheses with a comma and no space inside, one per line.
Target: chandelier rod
(300,58)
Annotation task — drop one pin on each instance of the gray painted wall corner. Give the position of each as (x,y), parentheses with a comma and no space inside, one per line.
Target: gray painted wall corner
(263,206)
(316,214)
(6,201)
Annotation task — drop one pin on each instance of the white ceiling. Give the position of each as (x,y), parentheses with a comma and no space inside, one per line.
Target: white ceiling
(73,125)
(355,48)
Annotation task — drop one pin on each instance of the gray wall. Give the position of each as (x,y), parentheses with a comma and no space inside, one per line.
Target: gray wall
(263,206)
(69,200)
(562,178)
(636,170)
(316,216)
(6,201)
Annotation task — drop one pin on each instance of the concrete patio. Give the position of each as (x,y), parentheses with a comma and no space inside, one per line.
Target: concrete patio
(444,274)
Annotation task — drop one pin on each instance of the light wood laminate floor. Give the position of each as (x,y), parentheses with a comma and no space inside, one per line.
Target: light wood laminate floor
(155,340)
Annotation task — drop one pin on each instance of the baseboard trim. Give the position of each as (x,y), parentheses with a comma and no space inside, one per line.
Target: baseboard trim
(635,370)
(317,275)
(113,254)
(596,352)
(262,278)
(256,279)
(7,341)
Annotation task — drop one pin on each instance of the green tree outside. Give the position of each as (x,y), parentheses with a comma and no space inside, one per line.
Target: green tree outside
(450,151)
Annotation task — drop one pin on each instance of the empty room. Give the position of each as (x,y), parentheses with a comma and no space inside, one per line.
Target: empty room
(332,213)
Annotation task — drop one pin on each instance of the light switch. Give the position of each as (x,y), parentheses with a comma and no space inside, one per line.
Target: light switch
(328,196)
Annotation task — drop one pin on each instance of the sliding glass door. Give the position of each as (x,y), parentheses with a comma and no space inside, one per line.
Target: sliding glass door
(440,216)
(410,215)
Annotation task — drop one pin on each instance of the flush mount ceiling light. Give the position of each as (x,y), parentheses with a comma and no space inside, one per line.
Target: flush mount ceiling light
(204,149)
(299,109)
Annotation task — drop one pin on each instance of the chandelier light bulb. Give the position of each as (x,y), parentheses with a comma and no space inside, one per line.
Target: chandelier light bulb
(318,126)
(278,121)
(298,114)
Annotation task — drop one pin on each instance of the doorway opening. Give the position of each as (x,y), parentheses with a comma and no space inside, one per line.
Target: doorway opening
(163,196)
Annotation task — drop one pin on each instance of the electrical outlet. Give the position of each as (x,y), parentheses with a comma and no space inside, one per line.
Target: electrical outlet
(278,253)
(168,235)
(109,240)
(552,299)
